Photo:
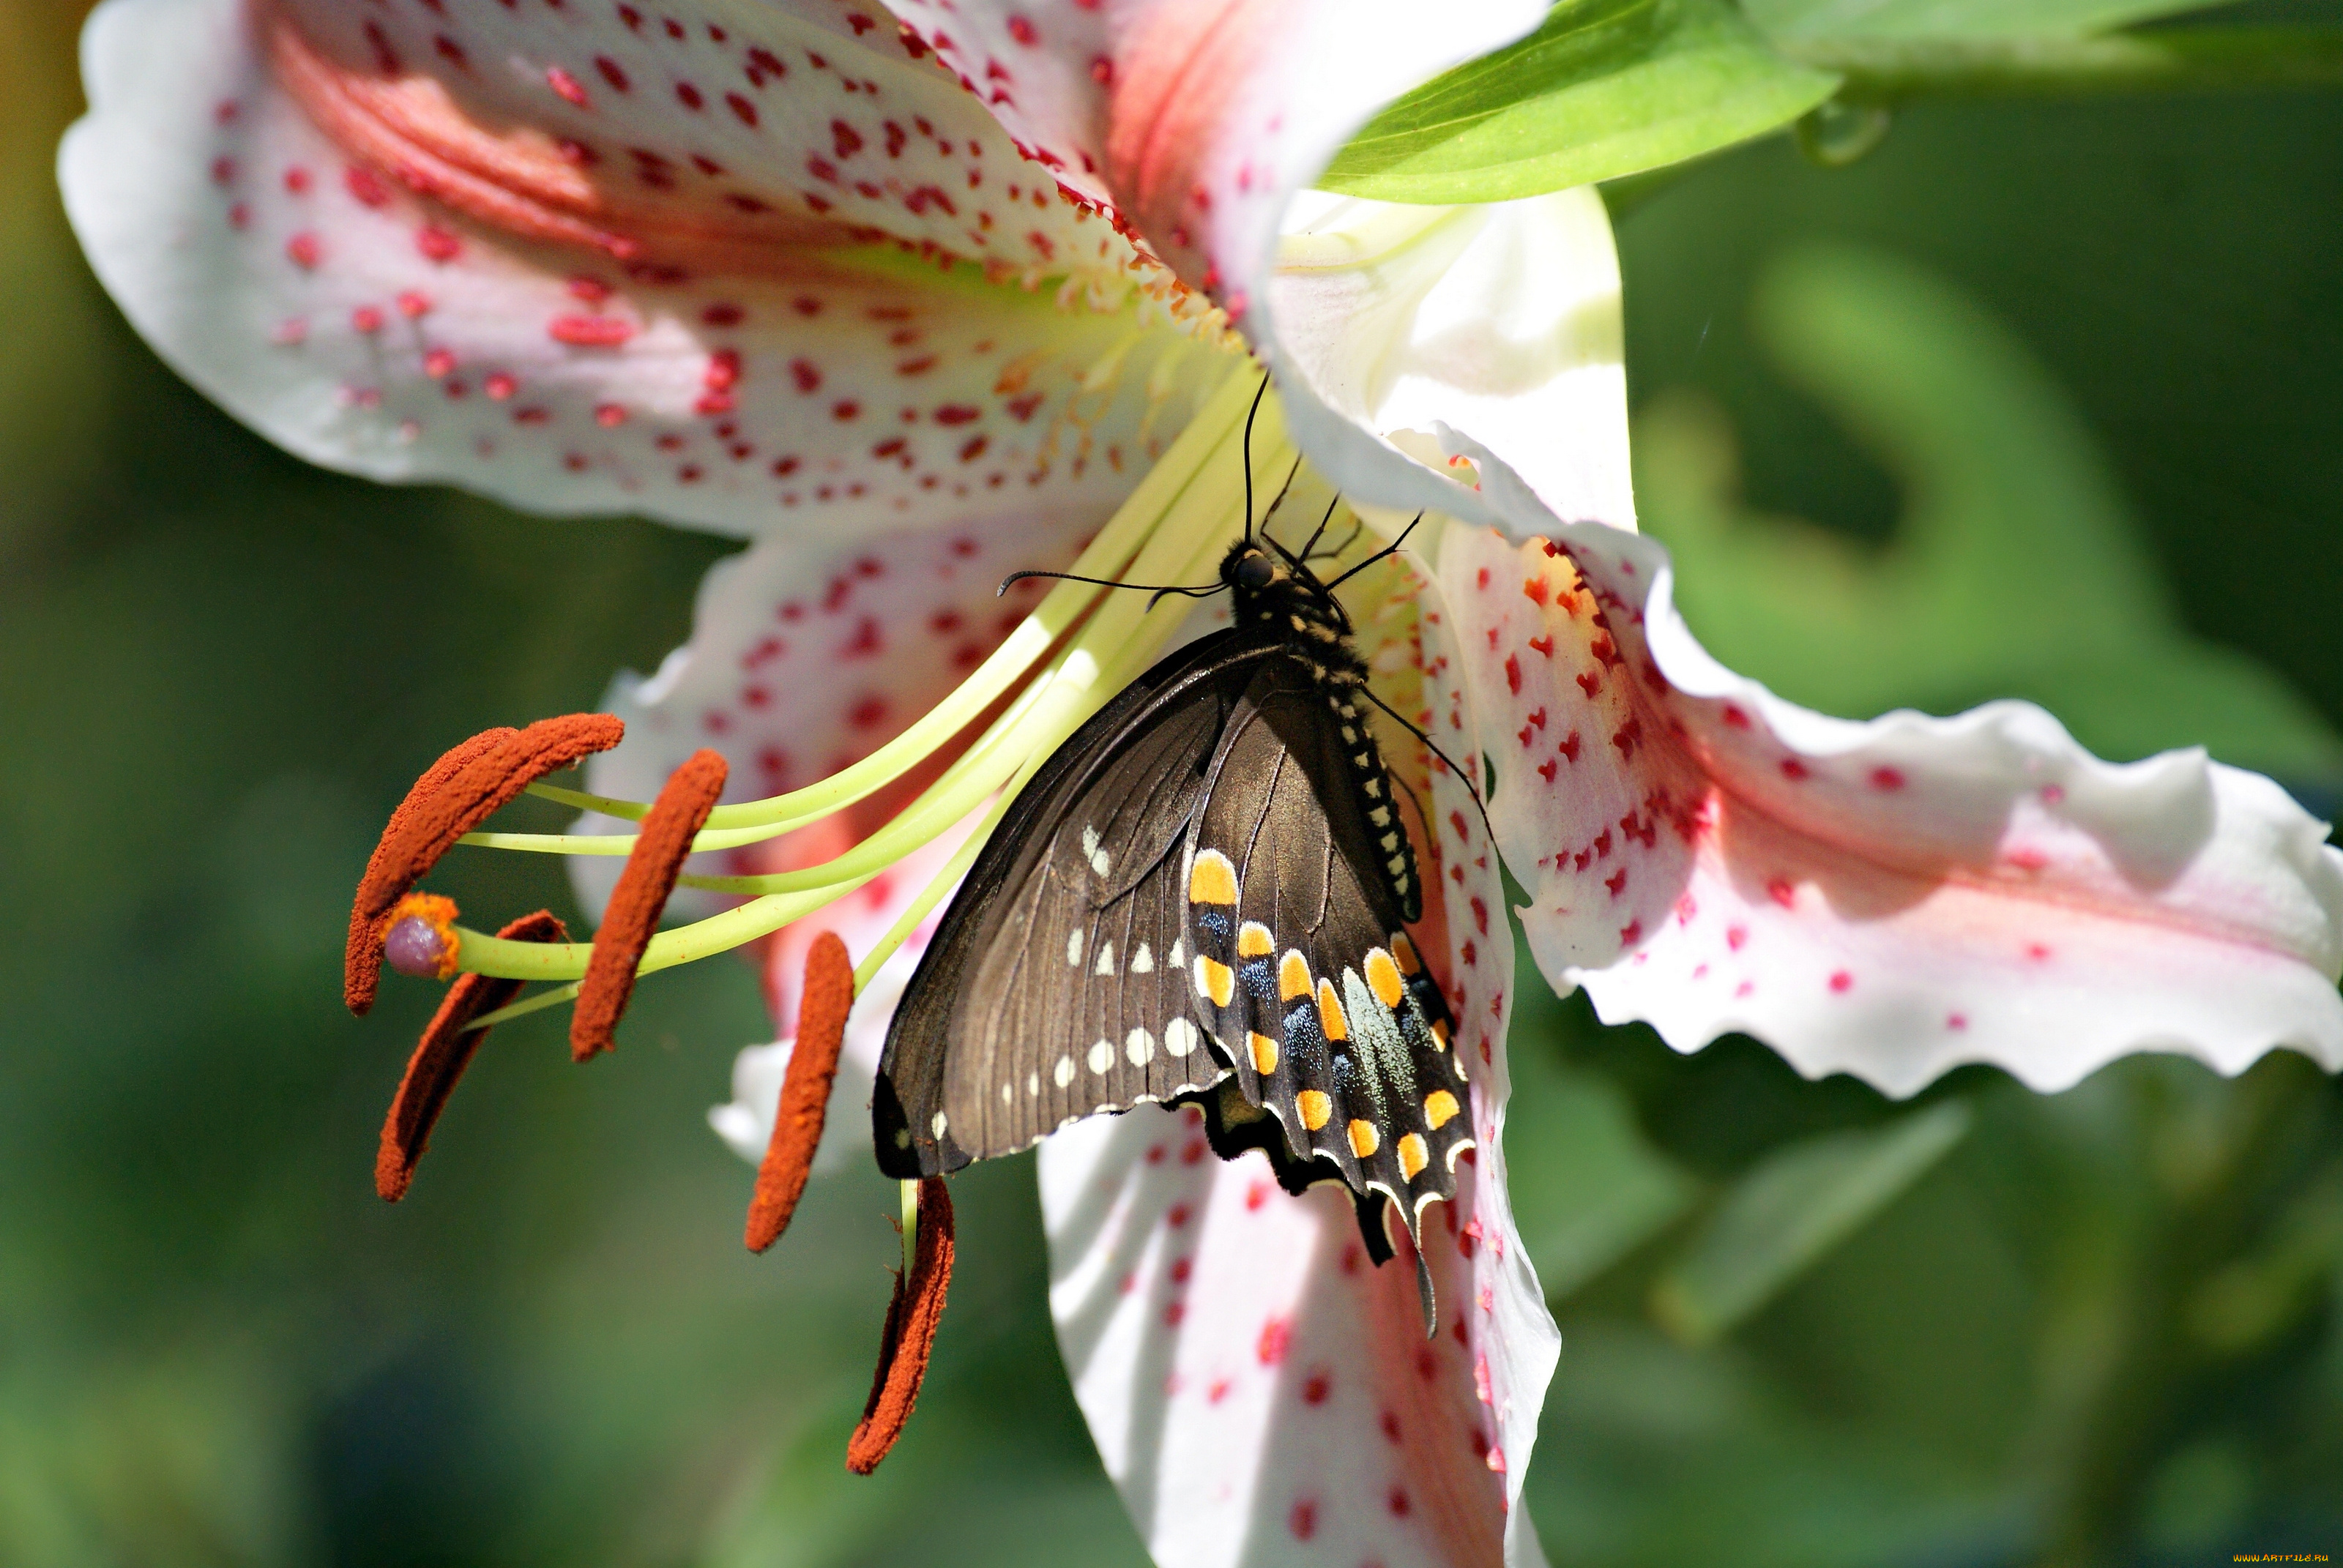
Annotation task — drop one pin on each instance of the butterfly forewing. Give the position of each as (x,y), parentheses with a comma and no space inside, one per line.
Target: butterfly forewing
(1056,986)
(1301,967)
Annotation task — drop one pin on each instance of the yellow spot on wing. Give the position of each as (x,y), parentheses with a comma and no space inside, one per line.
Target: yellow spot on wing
(1440,1033)
(1215,980)
(1211,879)
(1292,976)
(1364,1138)
(1264,1055)
(1330,1012)
(1383,976)
(1315,1108)
(1440,1108)
(1413,1155)
(1253,941)
(1404,951)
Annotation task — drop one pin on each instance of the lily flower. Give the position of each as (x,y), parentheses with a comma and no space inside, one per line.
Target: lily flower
(914,301)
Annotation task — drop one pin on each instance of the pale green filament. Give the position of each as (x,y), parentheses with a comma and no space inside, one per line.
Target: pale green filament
(1171,530)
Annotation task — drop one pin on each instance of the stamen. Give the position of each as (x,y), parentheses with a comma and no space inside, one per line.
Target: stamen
(419,936)
(912,1316)
(440,1057)
(469,783)
(797,1119)
(360,981)
(644,886)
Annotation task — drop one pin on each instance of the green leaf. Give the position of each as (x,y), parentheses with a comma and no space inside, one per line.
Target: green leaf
(1789,1212)
(2015,570)
(1603,88)
(1809,19)
(1587,1187)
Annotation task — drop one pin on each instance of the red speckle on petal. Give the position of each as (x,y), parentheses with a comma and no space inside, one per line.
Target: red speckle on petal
(1735,936)
(1956,1020)
(1303,1519)
(742,109)
(2037,951)
(414,304)
(1277,1339)
(1174,1312)
(1177,1216)
(1780,891)
(439,363)
(565,85)
(1793,769)
(1256,1195)
(499,386)
(1841,982)
(1886,779)
(1315,1387)
(689,97)
(365,319)
(1022,29)
(609,416)
(590,331)
(437,243)
(611,72)
(805,374)
(845,409)
(1734,719)
(1514,673)
(304,250)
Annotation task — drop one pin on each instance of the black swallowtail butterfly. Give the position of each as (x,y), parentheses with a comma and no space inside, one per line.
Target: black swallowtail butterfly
(1199,899)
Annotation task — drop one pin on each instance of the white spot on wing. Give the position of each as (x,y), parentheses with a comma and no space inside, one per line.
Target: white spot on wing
(1143,962)
(1102,1056)
(937,1126)
(1105,960)
(1139,1048)
(1181,1037)
(1064,1072)
(1074,946)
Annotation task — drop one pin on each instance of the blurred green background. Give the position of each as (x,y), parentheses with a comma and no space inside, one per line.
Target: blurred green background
(2035,399)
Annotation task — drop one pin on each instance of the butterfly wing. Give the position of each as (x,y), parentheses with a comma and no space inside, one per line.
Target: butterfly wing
(1301,967)
(1056,985)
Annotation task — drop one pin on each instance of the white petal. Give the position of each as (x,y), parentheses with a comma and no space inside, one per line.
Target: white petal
(1889,899)
(612,331)
(1501,322)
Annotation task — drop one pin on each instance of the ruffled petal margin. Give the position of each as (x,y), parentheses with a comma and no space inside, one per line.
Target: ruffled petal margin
(1889,899)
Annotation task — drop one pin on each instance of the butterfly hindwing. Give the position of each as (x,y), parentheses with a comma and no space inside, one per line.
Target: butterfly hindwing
(1057,985)
(1301,969)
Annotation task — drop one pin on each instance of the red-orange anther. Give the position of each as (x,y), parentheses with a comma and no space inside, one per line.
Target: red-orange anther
(455,795)
(440,1057)
(912,1316)
(361,965)
(665,839)
(804,1091)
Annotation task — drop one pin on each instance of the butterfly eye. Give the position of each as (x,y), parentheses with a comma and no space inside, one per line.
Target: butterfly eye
(1255,570)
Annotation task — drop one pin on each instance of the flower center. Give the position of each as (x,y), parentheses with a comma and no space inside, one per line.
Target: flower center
(1080,646)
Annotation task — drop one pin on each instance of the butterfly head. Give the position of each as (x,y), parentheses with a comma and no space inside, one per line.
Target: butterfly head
(1273,587)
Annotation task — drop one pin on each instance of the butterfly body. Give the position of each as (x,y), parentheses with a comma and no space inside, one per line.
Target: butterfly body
(1199,898)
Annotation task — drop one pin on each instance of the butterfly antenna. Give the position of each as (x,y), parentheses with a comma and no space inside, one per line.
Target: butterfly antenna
(1013,579)
(1390,549)
(1463,777)
(1258,393)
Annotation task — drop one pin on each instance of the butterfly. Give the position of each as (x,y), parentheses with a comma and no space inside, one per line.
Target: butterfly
(1201,899)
